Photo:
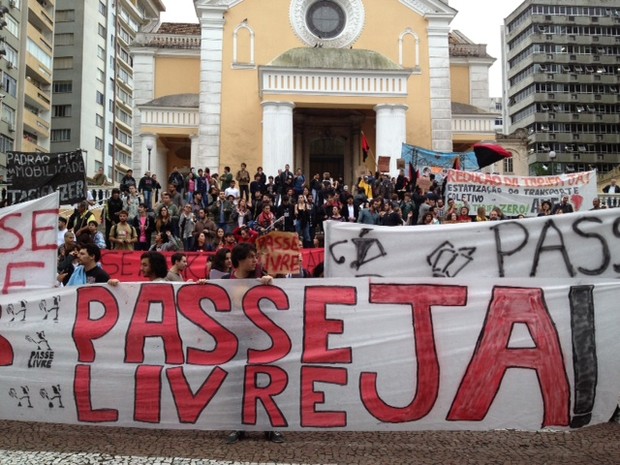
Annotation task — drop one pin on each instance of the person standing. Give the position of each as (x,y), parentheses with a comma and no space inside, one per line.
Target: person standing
(144,226)
(243,179)
(110,213)
(146,187)
(87,271)
(126,181)
(179,263)
(123,235)
(245,266)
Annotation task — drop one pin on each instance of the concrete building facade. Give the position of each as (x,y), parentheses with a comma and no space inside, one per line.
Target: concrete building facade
(562,80)
(26,49)
(93,79)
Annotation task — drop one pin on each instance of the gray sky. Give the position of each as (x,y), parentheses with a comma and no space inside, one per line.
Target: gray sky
(479,20)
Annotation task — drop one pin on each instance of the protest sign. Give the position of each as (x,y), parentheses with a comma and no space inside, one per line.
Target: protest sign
(279,252)
(563,246)
(520,195)
(125,265)
(28,245)
(356,354)
(34,175)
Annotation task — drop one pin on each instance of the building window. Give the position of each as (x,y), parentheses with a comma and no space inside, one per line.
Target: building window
(8,114)
(101,52)
(102,9)
(11,25)
(63,87)
(61,111)
(64,39)
(100,98)
(63,63)
(61,135)
(98,143)
(325,19)
(101,30)
(508,166)
(99,121)
(6,144)
(63,16)
(41,54)
(100,75)
(10,85)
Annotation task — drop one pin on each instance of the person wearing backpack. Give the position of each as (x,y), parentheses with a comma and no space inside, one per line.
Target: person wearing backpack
(122,235)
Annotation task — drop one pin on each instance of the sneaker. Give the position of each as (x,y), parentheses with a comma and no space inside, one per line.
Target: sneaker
(234,437)
(275,436)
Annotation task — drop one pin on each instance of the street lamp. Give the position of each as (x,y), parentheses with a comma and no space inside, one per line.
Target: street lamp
(552,156)
(149,147)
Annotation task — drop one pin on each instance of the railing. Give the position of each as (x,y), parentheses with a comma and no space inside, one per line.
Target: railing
(144,39)
(100,194)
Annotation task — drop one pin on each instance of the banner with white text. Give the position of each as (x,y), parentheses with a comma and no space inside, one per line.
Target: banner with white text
(559,246)
(356,354)
(32,175)
(28,245)
(520,195)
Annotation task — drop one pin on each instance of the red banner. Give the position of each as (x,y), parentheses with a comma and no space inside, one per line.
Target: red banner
(125,265)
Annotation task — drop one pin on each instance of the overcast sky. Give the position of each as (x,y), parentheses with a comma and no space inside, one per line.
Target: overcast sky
(479,20)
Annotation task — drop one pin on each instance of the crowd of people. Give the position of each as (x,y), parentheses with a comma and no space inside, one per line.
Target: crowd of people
(204,212)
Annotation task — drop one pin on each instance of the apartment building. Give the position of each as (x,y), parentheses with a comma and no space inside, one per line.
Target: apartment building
(562,77)
(93,79)
(26,51)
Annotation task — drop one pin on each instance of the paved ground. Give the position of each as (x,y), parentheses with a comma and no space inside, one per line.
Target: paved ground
(46,444)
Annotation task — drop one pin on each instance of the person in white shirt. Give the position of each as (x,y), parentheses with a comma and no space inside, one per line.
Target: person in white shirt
(234,191)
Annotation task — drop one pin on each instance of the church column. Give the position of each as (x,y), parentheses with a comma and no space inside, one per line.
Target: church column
(439,72)
(212,22)
(277,136)
(391,132)
(195,151)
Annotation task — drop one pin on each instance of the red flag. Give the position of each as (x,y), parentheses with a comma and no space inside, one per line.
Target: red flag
(365,147)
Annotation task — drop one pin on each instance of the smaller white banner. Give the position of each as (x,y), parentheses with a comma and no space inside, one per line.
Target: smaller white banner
(28,247)
(520,195)
(558,246)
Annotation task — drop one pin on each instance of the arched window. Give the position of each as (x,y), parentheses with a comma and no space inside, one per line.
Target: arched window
(409,49)
(243,45)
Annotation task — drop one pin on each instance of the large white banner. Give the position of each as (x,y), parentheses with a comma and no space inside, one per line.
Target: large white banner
(562,246)
(354,354)
(28,246)
(520,195)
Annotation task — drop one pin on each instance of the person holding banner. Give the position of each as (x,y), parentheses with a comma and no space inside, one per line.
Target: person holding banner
(245,266)
(88,271)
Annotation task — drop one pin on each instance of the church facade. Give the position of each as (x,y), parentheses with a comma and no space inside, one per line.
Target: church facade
(303,83)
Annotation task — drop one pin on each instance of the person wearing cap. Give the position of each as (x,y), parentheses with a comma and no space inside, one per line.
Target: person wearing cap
(145,187)
(127,180)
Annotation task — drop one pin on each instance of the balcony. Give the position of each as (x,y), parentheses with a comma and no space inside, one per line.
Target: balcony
(36,124)
(31,146)
(42,40)
(41,16)
(37,97)
(42,72)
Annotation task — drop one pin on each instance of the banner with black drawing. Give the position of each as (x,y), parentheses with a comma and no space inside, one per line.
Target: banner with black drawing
(559,246)
(34,175)
(305,354)
(520,195)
